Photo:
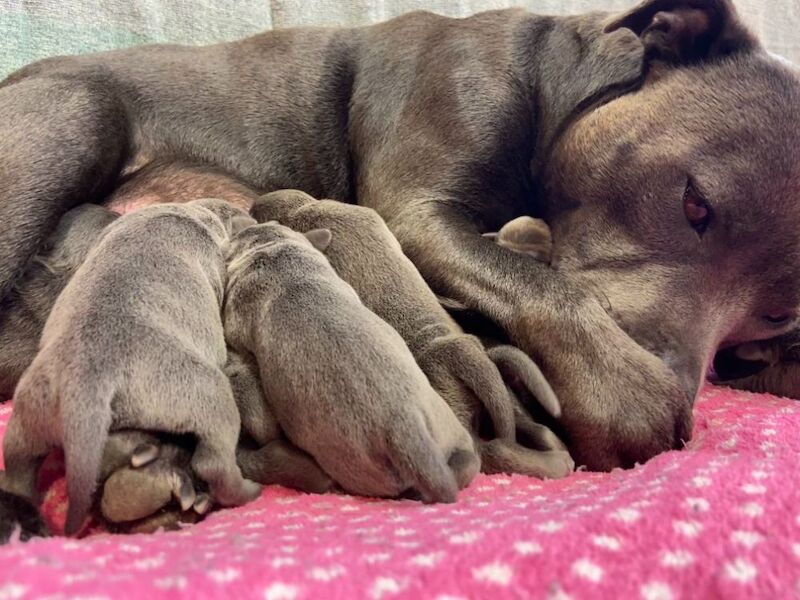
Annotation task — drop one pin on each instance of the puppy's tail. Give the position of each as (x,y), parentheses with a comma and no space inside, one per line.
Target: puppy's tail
(85,436)
(518,368)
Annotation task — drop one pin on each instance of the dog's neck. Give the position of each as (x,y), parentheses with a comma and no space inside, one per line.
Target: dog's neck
(576,67)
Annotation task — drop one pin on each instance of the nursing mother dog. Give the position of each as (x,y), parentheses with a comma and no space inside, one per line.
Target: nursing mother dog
(659,145)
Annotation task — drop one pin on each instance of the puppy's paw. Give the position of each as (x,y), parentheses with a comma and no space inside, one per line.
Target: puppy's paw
(432,452)
(464,375)
(155,476)
(281,463)
(502,456)
(236,492)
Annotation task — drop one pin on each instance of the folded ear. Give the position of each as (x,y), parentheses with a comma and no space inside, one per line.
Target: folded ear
(319,238)
(686,31)
(239,223)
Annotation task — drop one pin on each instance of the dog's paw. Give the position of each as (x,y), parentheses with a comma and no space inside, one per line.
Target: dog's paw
(621,405)
(502,456)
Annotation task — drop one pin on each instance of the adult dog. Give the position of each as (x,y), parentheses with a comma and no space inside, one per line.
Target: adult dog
(659,145)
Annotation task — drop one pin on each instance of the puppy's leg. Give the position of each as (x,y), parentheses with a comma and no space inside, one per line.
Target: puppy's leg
(257,419)
(214,419)
(23,452)
(280,463)
(27,440)
(501,456)
(62,141)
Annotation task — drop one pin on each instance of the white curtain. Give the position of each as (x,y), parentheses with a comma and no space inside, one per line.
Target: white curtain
(776,21)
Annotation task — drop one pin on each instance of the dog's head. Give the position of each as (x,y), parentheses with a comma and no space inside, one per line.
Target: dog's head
(678,203)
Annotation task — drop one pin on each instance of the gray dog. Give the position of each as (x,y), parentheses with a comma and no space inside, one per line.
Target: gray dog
(342,382)
(658,144)
(135,340)
(367,256)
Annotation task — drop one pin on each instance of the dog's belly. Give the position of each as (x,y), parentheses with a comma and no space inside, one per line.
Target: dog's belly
(160,182)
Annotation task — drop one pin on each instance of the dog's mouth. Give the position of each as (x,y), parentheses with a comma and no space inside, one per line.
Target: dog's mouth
(728,366)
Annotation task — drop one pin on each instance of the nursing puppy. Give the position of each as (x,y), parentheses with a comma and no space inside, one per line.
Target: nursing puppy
(367,256)
(23,314)
(769,366)
(135,341)
(342,382)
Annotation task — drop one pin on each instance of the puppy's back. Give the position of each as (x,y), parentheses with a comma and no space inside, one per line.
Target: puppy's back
(157,272)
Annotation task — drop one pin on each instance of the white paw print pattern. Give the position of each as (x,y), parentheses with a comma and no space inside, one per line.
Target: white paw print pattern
(695,522)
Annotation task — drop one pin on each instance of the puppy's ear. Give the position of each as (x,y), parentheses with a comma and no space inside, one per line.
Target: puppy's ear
(239,223)
(319,238)
(686,31)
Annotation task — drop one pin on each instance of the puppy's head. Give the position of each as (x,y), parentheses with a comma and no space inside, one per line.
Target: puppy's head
(264,238)
(677,203)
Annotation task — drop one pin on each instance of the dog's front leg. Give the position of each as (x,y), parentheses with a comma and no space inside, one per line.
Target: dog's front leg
(621,404)
(62,142)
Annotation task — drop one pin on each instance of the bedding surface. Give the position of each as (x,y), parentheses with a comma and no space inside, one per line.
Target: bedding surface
(720,519)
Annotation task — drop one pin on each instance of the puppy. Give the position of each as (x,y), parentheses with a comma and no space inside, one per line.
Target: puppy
(135,341)
(24,312)
(341,381)
(19,517)
(264,455)
(768,366)
(525,235)
(366,255)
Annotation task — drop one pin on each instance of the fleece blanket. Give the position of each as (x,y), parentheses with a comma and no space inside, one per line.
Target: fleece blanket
(720,519)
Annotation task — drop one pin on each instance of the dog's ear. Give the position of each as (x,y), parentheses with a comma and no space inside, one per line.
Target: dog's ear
(319,238)
(686,31)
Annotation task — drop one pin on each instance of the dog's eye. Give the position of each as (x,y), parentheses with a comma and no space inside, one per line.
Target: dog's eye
(696,209)
(778,319)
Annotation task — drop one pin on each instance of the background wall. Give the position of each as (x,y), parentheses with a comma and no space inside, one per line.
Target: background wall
(32,29)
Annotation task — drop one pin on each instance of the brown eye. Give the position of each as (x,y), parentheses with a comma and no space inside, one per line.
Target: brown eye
(696,209)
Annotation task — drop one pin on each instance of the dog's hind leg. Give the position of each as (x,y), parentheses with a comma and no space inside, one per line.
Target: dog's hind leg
(63,139)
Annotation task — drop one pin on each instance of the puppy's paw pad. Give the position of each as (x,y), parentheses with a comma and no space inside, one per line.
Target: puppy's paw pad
(132,494)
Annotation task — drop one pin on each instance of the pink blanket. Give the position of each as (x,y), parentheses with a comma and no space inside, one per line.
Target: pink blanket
(718,520)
